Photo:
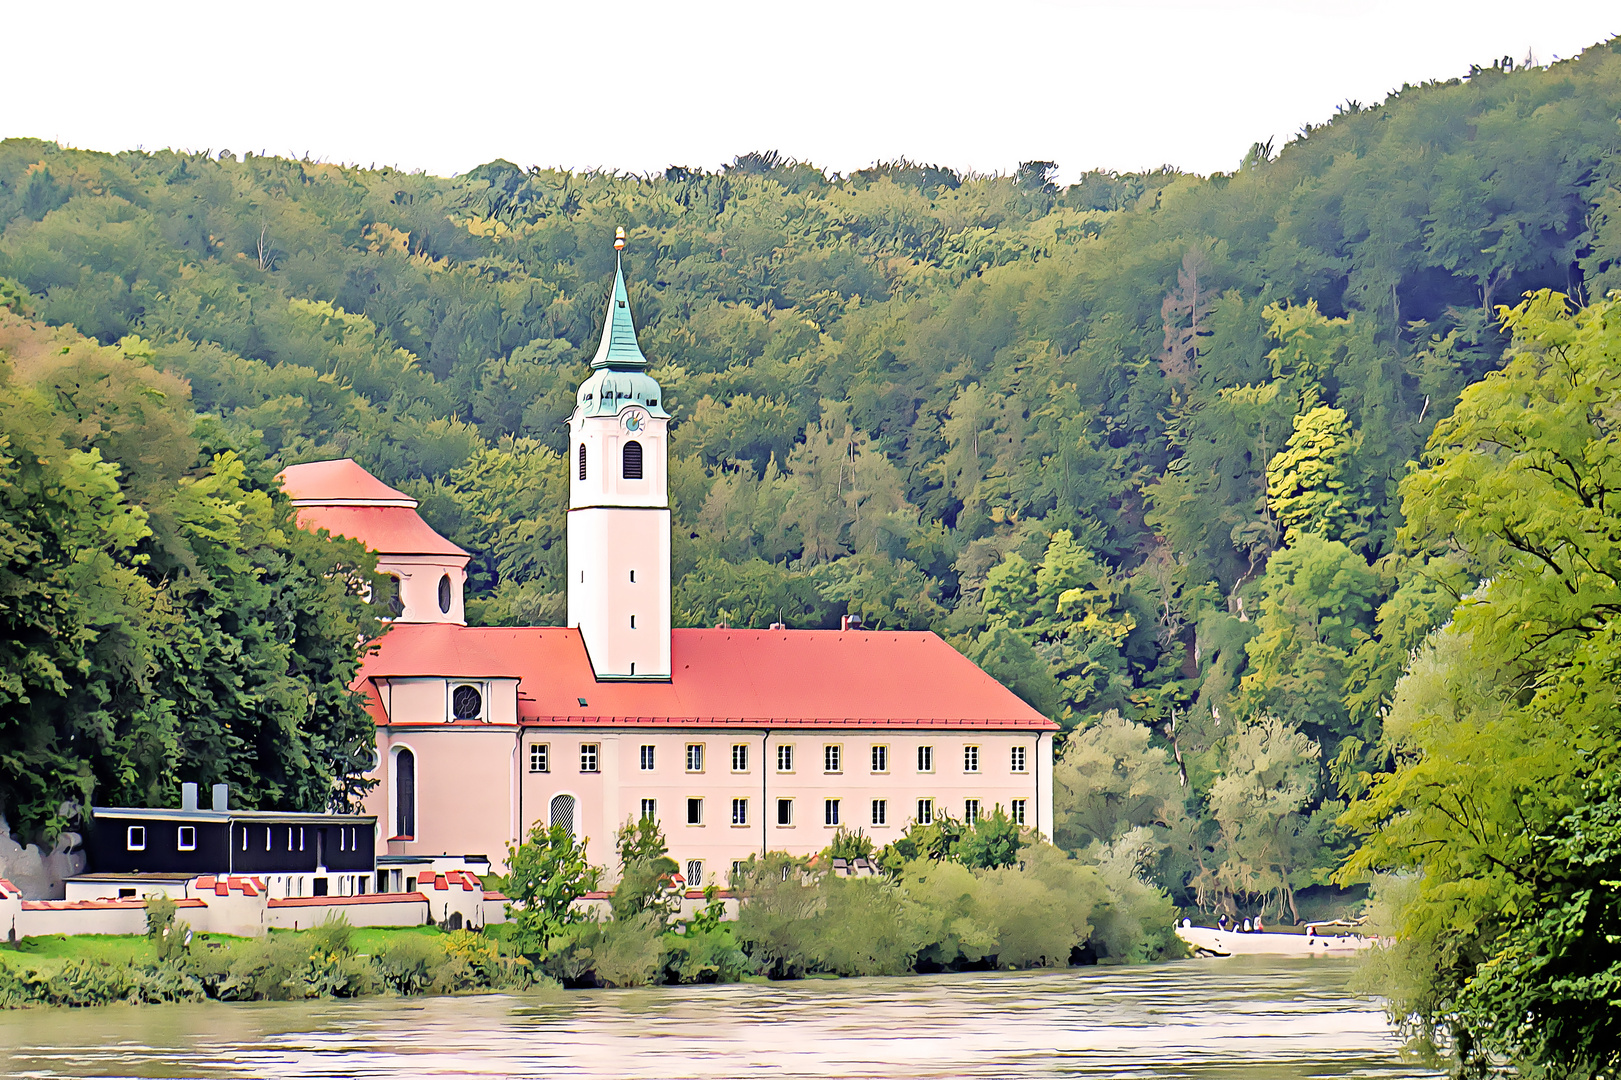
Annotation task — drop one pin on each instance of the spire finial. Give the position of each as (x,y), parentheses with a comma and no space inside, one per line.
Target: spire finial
(619,238)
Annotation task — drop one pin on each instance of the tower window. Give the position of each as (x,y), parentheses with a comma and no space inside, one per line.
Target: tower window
(444,594)
(582,461)
(633,460)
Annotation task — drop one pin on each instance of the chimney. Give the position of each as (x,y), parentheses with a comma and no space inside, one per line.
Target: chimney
(779,626)
(222,798)
(188,796)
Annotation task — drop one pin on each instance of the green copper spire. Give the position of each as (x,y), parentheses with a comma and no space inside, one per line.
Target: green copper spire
(620,379)
(619,348)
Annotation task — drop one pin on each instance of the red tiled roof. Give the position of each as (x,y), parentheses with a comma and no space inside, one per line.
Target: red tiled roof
(105,904)
(224,886)
(737,678)
(387,530)
(340,481)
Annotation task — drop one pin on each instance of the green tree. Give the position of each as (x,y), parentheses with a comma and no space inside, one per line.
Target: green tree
(1503,729)
(545,875)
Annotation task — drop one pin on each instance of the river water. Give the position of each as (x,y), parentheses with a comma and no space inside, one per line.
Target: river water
(1238,1018)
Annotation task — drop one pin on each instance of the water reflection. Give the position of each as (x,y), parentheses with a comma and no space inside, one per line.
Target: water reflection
(1257,1018)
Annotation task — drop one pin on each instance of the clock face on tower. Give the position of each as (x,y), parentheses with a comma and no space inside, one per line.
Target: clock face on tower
(633,420)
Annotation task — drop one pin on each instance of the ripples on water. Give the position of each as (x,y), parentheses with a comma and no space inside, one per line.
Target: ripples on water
(1254,1019)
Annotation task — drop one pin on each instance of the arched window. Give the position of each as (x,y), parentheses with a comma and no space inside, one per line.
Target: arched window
(444,594)
(582,461)
(633,460)
(405,793)
(388,598)
(563,812)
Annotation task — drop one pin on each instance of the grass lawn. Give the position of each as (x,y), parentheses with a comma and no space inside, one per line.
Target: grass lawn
(50,951)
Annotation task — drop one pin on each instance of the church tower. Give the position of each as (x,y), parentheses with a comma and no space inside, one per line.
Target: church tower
(619,505)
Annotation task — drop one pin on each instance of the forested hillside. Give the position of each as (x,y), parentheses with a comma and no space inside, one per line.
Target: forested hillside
(1133,444)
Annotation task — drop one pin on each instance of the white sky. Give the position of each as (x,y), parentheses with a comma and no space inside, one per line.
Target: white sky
(640,85)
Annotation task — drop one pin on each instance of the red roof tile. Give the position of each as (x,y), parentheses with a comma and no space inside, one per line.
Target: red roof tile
(340,481)
(387,530)
(737,678)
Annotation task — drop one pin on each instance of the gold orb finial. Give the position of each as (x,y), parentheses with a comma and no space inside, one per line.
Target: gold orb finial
(619,238)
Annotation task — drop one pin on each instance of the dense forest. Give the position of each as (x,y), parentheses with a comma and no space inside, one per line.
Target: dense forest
(1149,447)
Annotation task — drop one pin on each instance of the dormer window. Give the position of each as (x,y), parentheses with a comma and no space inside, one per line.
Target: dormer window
(466,702)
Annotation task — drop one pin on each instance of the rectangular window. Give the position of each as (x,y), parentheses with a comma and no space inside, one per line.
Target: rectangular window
(880,811)
(695,873)
(740,811)
(831,754)
(880,759)
(650,809)
(188,838)
(135,839)
(785,811)
(830,812)
(925,811)
(695,811)
(1018,759)
(740,757)
(588,757)
(970,811)
(633,622)
(970,759)
(695,757)
(925,759)
(1018,811)
(647,758)
(785,758)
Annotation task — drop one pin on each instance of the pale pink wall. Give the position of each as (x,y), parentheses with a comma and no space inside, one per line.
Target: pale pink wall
(610,797)
(475,792)
(465,801)
(419,586)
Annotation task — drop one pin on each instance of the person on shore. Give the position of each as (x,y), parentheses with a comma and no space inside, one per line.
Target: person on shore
(1258,929)
(1246,926)
(1221,923)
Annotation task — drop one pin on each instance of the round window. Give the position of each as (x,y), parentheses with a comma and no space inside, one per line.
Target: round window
(444,594)
(466,703)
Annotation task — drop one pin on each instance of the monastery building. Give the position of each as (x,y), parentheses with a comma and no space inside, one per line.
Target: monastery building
(738,741)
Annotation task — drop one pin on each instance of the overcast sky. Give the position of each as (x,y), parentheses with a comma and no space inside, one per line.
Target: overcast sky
(638,86)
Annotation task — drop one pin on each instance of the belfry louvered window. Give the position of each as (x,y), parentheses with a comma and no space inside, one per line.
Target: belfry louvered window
(633,460)
(582,461)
